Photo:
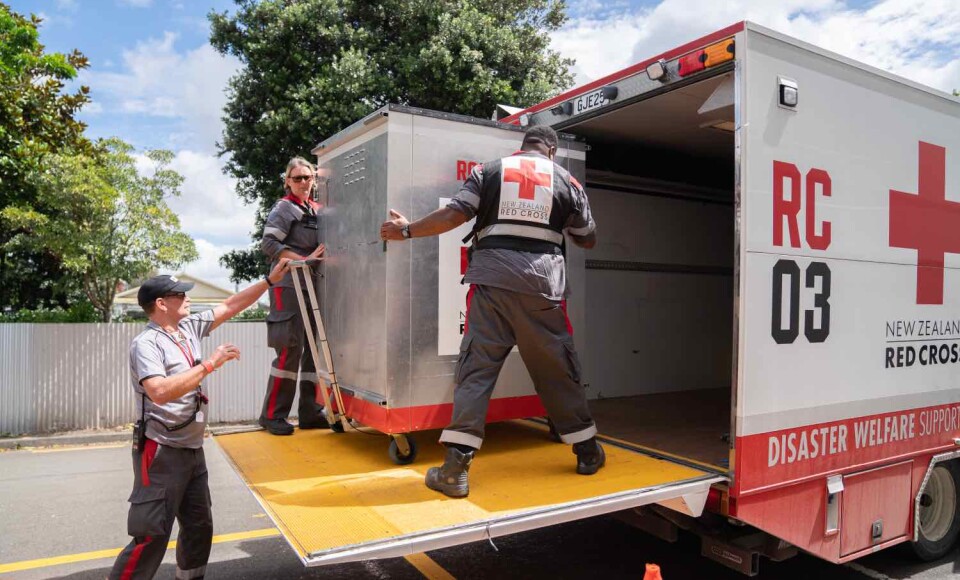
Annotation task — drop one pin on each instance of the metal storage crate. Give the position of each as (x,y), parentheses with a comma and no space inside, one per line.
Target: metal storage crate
(394,312)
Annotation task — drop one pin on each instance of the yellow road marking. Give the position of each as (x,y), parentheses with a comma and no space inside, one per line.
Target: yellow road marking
(430,569)
(112,553)
(237,536)
(75,447)
(58,560)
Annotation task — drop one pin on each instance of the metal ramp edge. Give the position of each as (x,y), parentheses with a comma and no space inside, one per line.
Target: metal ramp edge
(691,493)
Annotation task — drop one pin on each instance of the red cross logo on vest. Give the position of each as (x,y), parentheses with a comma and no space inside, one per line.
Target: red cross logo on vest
(528,178)
(927,222)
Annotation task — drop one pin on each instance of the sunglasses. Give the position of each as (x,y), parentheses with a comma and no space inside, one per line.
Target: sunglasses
(301,178)
(176,295)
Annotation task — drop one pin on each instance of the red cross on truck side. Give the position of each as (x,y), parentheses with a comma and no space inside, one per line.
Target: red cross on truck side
(528,177)
(927,222)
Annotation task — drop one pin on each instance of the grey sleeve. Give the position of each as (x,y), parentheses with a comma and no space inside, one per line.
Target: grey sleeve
(275,232)
(146,359)
(580,222)
(199,323)
(467,200)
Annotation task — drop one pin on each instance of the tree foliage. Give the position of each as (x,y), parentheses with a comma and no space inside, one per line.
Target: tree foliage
(36,119)
(312,67)
(112,222)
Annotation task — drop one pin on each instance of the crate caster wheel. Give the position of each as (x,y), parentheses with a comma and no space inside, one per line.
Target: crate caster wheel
(399,457)
(337,427)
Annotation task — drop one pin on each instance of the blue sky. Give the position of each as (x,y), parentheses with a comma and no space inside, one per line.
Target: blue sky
(156,82)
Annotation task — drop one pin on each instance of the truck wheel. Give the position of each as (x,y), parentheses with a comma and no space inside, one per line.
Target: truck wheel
(399,459)
(939,513)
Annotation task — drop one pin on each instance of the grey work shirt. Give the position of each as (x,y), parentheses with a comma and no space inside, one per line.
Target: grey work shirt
(524,272)
(155,353)
(291,226)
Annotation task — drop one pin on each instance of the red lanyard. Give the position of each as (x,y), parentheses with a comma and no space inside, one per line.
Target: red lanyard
(188,353)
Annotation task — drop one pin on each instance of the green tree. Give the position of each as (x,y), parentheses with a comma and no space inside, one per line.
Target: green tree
(312,67)
(36,119)
(112,223)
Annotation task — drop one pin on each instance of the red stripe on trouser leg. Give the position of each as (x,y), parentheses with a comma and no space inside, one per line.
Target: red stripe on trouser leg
(466,317)
(131,566)
(281,363)
(563,305)
(146,459)
(278,297)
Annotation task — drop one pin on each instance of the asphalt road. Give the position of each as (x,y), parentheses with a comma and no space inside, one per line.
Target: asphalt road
(64,511)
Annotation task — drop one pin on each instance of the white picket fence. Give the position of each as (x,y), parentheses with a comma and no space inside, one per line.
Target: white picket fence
(64,377)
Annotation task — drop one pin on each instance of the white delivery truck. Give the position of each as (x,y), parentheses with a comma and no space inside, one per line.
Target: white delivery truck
(769,324)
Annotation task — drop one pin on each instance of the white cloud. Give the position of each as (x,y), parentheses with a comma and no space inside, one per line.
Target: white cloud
(210,212)
(70,5)
(158,81)
(209,206)
(93,108)
(136,3)
(207,266)
(184,90)
(896,35)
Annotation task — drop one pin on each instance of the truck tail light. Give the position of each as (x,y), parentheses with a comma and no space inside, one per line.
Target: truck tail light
(719,53)
(698,60)
(691,63)
(717,501)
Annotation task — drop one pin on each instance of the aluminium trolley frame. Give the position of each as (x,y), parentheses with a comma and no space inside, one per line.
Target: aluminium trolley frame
(402,448)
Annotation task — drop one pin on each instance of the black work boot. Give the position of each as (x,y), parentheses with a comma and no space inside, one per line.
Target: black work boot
(276,426)
(450,478)
(590,456)
(313,420)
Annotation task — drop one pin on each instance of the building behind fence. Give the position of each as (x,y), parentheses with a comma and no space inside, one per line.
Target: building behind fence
(62,377)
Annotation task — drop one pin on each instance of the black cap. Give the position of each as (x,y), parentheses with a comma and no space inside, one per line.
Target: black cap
(543,134)
(160,286)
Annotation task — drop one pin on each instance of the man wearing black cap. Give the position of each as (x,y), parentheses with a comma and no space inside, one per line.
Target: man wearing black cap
(523,204)
(170,474)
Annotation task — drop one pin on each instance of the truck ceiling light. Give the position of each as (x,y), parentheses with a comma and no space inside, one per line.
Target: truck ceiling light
(524,119)
(657,71)
(788,93)
(610,92)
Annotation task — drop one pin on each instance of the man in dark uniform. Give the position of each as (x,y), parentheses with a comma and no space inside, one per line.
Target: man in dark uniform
(170,473)
(291,231)
(523,204)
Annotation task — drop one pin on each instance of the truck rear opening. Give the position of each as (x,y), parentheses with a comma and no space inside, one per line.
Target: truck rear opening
(658,349)
(652,308)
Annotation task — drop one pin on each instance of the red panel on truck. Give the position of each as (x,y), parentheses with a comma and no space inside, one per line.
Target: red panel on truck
(877,497)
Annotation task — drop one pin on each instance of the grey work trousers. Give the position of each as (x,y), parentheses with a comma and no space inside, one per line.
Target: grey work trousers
(169,483)
(293,365)
(498,319)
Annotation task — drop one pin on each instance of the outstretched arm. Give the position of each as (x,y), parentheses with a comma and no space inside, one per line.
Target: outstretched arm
(246,297)
(437,222)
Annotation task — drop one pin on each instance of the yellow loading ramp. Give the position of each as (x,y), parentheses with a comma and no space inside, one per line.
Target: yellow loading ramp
(336,497)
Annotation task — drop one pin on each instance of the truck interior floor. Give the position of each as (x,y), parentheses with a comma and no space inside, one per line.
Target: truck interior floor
(691,424)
